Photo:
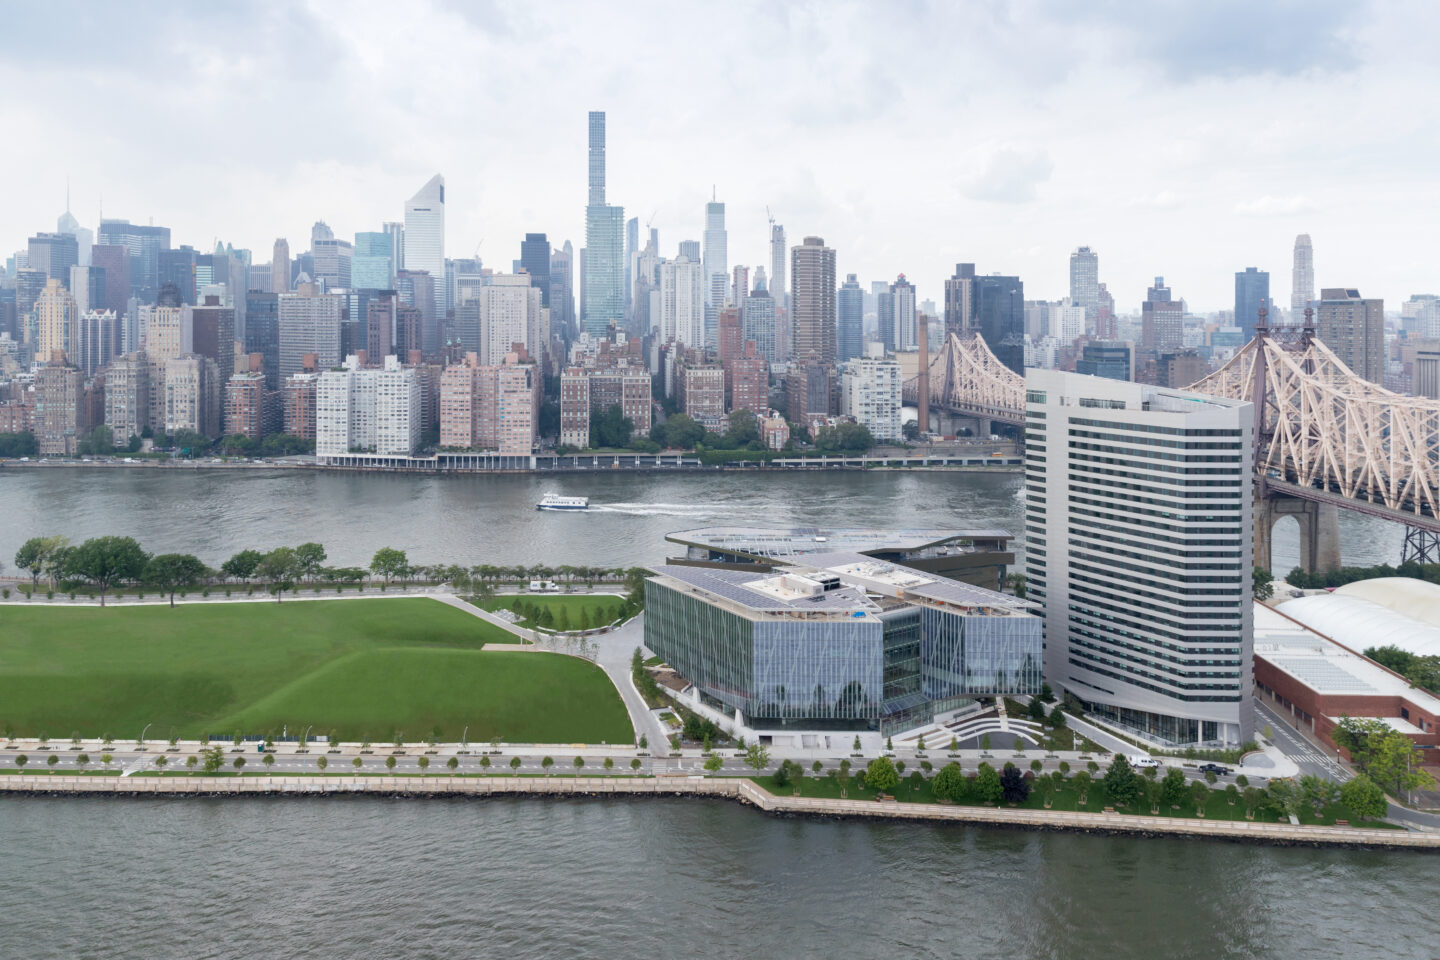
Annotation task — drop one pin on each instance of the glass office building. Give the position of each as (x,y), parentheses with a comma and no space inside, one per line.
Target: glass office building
(859,645)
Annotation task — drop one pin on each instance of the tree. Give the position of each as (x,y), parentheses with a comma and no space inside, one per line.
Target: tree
(309,560)
(547,763)
(100,440)
(1199,792)
(38,555)
(635,764)
(757,757)
(1232,794)
(678,432)
(1014,788)
(743,430)
(1391,764)
(390,762)
(160,761)
(949,784)
(1318,792)
(610,764)
(712,763)
(21,760)
(357,763)
(190,762)
(1172,787)
(107,561)
(170,572)
(389,563)
(579,762)
(424,763)
(452,764)
(1363,798)
(214,759)
(239,764)
(1057,717)
(1251,797)
(610,427)
(881,775)
(279,567)
(515,765)
(269,760)
(1354,735)
(987,784)
(242,565)
(1081,782)
(1262,584)
(1121,784)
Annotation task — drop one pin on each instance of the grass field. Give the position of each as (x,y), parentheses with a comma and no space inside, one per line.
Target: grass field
(574,605)
(362,668)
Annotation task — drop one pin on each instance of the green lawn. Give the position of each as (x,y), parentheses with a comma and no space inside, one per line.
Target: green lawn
(918,791)
(574,605)
(363,668)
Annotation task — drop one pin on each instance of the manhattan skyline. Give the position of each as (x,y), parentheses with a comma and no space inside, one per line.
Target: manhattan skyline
(1190,146)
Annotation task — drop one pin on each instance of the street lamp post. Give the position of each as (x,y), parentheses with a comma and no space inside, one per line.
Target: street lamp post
(141,742)
(463,735)
(305,740)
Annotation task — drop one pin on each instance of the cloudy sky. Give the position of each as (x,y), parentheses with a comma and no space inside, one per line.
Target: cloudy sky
(1177,138)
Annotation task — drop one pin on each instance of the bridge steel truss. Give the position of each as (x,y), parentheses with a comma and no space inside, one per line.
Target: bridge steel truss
(966,377)
(1324,433)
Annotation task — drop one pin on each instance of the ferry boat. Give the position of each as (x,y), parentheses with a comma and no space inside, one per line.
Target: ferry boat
(552,502)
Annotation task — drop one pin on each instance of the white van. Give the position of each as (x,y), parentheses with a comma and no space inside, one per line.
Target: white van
(1144,762)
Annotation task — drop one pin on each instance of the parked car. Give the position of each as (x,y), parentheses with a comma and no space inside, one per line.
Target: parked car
(1215,768)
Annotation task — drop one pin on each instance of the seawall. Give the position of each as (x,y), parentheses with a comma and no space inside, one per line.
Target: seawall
(731,788)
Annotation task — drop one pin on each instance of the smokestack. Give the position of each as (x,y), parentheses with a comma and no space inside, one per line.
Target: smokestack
(922,387)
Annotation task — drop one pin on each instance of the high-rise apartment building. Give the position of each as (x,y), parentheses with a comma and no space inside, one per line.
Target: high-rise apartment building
(535,259)
(425,237)
(58,321)
(702,394)
(717,262)
(849,320)
(93,341)
(1138,540)
(334,260)
(489,406)
(1252,291)
(510,314)
(779,257)
(682,301)
(245,406)
(758,322)
(310,325)
(193,394)
(1085,281)
(1162,321)
(127,396)
(373,265)
(1354,328)
(870,392)
(901,314)
(1302,277)
(960,300)
(812,301)
(299,405)
(575,408)
(747,381)
(56,418)
(603,276)
(165,332)
(739,284)
(212,330)
(1000,318)
(368,410)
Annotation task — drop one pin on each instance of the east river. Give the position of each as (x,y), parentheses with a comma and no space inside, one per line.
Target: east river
(367,877)
(513,878)
(475,519)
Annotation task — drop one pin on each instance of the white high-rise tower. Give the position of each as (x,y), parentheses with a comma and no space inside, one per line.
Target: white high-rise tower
(425,235)
(716,256)
(1302,278)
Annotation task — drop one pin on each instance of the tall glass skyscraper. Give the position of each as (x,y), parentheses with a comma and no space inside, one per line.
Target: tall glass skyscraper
(603,292)
(850,320)
(373,265)
(425,236)
(1000,317)
(535,258)
(1252,291)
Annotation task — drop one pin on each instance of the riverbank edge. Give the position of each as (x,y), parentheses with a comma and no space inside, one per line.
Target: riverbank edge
(747,467)
(738,789)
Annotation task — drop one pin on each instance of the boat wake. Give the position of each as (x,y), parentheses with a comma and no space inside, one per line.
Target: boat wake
(655,509)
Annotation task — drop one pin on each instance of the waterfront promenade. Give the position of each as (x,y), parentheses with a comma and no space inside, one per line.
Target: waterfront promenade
(742,790)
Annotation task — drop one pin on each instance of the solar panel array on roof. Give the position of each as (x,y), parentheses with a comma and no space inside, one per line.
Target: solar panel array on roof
(1322,675)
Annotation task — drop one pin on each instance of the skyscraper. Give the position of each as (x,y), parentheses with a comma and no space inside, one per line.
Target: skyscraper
(562,290)
(55,253)
(58,321)
(425,236)
(1147,609)
(1085,282)
(1354,328)
(632,250)
(960,299)
(1162,321)
(716,255)
(68,225)
(1252,291)
(902,300)
(1000,318)
(373,265)
(144,244)
(778,257)
(1302,277)
(812,304)
(849,320)
(603,274)
(535,258)
(682,301)
(280,266)
(262,333)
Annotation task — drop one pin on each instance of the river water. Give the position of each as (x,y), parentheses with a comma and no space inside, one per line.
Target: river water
(473,519)
(367,877)
(522,878)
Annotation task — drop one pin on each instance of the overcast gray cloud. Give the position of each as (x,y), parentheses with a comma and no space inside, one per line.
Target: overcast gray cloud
(1184,139)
